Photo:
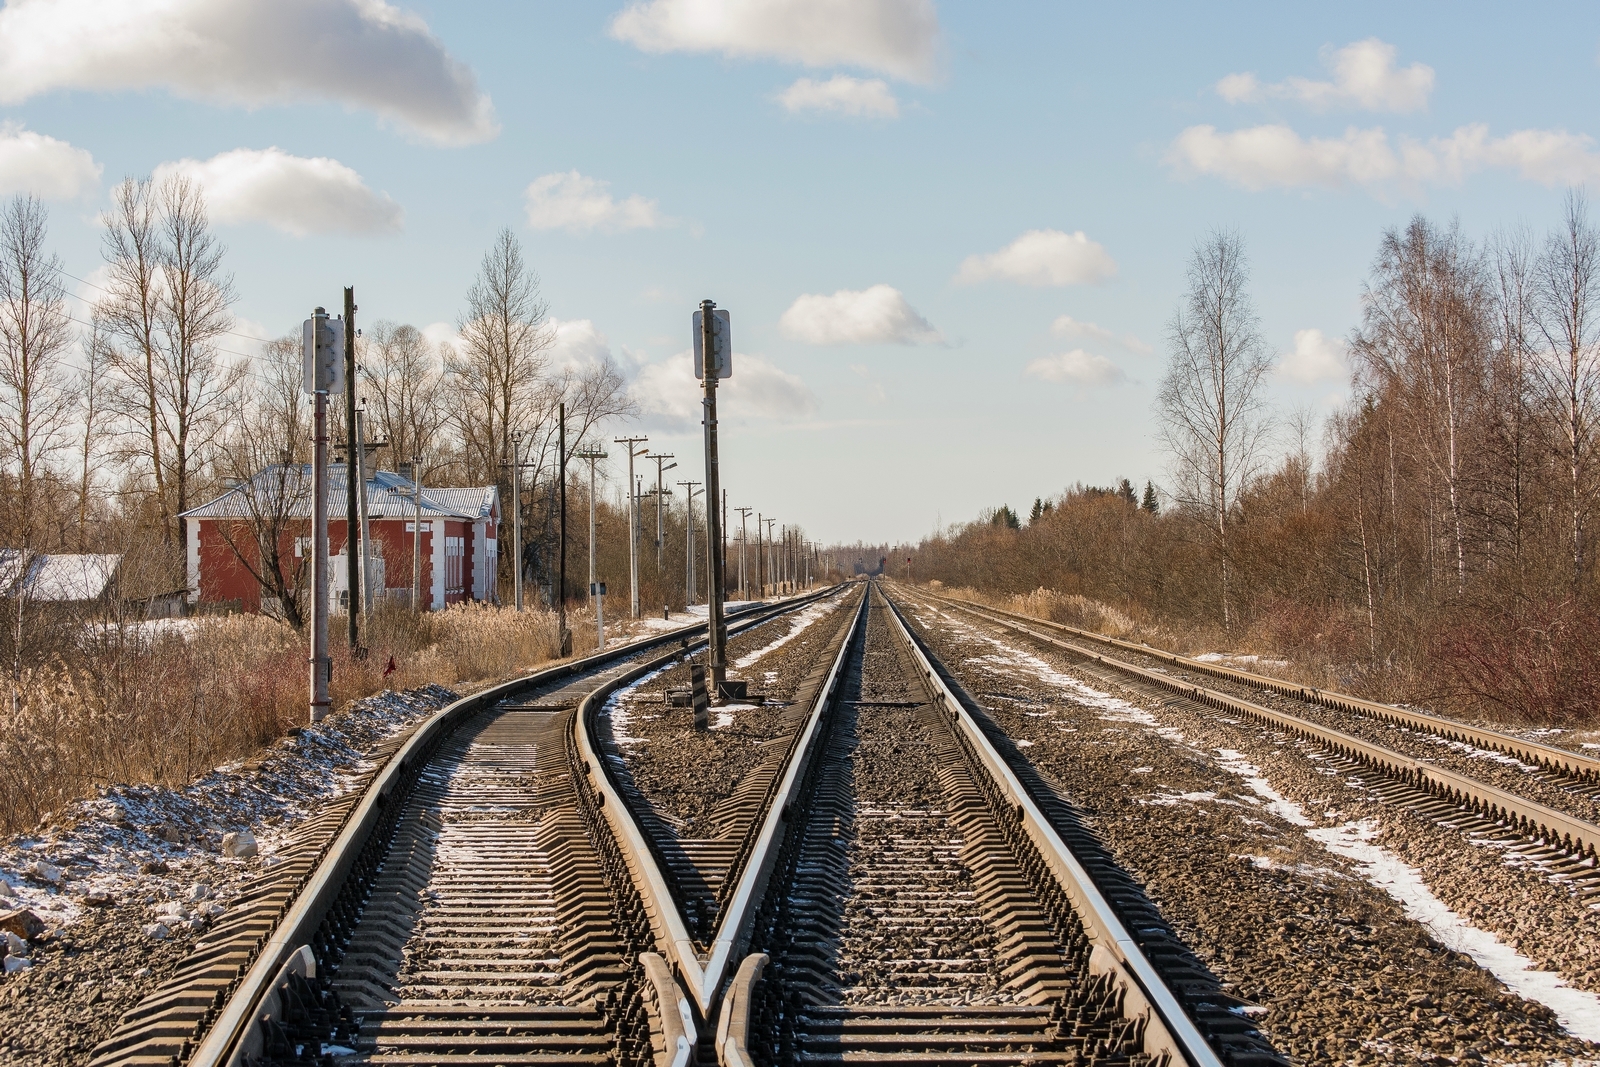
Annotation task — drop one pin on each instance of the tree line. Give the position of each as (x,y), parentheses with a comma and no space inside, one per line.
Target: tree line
(1443,546)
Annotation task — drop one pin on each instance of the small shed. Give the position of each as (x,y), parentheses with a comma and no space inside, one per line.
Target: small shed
(70,580)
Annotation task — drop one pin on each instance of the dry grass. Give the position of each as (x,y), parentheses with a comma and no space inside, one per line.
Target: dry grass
(140,704)
(1310,659)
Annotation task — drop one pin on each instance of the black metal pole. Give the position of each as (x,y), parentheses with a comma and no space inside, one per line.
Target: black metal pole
(352,517)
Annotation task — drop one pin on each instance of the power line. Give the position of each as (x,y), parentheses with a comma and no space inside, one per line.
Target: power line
(103,289)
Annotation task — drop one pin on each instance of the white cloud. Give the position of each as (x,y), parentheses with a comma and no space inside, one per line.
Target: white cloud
(669,395)
(444,335)
(895,37)
(1076,366)
(577,204)
(1315,358)
(578,345)
(1262,157)
(1043,257)
(879,315)
(294,194)
(842,95)
(1550,157)
(364,54)
(49,169)
(1067,326)
(1364,76)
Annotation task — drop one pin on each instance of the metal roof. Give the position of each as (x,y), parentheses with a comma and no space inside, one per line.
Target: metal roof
(389,496)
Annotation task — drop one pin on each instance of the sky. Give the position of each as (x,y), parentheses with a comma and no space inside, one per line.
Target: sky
(950,235)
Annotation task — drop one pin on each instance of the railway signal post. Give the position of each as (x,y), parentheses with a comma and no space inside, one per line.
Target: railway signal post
(322,351)
(713,360)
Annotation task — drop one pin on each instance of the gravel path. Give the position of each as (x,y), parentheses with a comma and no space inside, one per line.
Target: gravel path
(1340,972)
(155,855)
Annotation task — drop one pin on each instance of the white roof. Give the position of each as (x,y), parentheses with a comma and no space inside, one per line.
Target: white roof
(58,578)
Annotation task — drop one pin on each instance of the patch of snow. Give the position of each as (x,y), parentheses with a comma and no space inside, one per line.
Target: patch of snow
(1477,753)
(797,624)
(1240,659)
(1024,744)
(1577,1010)
(1116,709)
(1167,800)
(1143,770)
(1234,763)
(148,845)
(724,717)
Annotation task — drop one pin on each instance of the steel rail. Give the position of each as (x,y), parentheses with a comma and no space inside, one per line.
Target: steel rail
(1567,831)
(704,978)
(1168,1029)
(224,1041)
(1548,756)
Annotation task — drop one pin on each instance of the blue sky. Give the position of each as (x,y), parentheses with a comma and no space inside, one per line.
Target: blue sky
(930,375)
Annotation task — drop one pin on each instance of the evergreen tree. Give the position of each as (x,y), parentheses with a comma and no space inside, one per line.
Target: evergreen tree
(1150,503)
(1125,491)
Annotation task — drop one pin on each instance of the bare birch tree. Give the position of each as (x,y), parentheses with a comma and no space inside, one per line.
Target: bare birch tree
(1513,428)
(504,334)
(194,311)
(36,397)
(401,380)
(131,309)
(1568,294)
(91,411)
(1424,338)
(1213,413)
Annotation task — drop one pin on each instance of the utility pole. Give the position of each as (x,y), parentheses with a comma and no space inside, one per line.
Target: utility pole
(633,520)
(744,584)
(352,467)
(416,534)
(660,458)
(561,469)
(593,454)
(361,516)
(516,517)
(770,577)
(688,542)
(322,346)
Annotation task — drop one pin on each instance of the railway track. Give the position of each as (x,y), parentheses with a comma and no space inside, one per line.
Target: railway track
(937,900)
(474,855)
(1558,843)
(892,882)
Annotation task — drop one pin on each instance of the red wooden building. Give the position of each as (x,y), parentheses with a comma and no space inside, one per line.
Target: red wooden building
(459,544)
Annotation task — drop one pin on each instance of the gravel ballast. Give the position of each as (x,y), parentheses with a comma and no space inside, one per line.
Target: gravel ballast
(1341,973)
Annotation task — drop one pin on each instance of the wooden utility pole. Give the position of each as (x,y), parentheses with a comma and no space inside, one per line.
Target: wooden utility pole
(561,580)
